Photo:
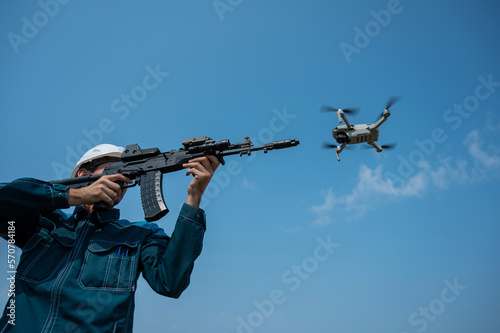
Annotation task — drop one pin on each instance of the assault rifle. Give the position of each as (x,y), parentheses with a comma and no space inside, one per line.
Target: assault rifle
(146,166)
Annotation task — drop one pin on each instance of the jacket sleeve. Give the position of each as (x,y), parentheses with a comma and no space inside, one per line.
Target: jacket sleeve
(23,199)
(28,194)
(166,262)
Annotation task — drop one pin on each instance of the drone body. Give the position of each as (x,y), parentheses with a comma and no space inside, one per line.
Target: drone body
(350,134)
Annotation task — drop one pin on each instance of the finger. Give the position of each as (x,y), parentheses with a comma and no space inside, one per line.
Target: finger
(197,170)
(195,164)
(109,201)
(105,188)
(102,195)
(106,194)
(110,186)
(190,172)
(120,197)
(209,162)
(197,159)
(214,161)
(112,197)
(120,182)
(206,165)
(118,177)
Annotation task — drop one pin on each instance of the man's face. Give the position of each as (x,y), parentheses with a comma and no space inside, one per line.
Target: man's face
(100,168)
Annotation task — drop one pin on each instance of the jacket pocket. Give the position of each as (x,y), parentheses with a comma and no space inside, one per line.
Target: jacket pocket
(109,265)
(42,258)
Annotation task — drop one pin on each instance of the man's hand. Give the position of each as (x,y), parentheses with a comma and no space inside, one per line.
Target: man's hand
(202,169)
(104,189)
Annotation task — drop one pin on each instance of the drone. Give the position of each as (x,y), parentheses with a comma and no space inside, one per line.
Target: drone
(350,134)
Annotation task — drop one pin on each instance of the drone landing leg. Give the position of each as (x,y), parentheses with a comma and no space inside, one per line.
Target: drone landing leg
(339,150)
(376,146)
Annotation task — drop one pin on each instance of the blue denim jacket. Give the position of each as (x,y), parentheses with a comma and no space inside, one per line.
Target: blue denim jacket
(78,273)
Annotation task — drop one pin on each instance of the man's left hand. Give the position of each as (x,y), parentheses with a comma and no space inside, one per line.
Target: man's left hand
(202,169)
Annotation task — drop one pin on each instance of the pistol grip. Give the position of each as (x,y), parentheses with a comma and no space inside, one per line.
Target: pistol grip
(152,197)
(101,206)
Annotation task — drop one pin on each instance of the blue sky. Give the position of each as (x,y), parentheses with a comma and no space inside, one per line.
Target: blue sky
(400,241)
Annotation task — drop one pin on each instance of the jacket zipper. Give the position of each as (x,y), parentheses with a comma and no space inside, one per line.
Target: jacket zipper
(56,291)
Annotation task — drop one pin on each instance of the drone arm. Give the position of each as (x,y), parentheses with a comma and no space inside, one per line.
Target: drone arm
(341,115)
(382,119)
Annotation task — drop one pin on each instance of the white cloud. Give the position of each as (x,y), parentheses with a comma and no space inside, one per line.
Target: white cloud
(372,181)
(474,144)
(480,164)
(449,172)
(248,184)
(492,124)
(328,205)
(369,190)
(322,211)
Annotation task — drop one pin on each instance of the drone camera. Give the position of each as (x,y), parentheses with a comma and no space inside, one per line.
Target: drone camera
(342,137)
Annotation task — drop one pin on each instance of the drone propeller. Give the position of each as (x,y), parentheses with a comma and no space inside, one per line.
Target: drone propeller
(326,108)
(328,145)
(391,101)
(388,146)
(351,111)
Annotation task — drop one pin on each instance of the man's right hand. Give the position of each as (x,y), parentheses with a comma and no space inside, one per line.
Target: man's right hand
(104,189)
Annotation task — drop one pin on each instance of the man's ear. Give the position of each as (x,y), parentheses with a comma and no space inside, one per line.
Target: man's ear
(83,172)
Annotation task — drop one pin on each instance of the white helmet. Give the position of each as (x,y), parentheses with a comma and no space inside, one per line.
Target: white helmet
(102,153)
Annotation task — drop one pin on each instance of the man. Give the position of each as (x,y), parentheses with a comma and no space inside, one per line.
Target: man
(78,273)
